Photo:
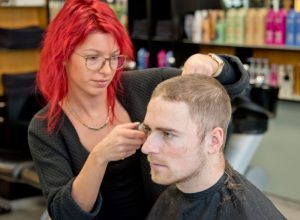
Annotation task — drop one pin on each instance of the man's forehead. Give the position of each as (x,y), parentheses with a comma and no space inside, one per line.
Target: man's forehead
(165,108)
(167,114)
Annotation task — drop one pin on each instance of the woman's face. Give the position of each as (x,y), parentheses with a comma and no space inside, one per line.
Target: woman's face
(84,70)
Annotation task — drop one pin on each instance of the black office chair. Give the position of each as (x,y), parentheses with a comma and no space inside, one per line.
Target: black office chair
(20,102)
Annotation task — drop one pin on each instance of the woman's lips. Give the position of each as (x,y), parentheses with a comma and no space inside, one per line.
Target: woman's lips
(101,83)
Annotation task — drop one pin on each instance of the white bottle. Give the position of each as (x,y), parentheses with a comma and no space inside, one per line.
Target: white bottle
(188,26)
(260,77)
(290,79)
(265,71)
(252,70)
(286,81)
(197,27)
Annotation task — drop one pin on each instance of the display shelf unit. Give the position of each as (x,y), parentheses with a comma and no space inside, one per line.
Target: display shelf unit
(253,46)
(174,11)
(14,17)
(153,11)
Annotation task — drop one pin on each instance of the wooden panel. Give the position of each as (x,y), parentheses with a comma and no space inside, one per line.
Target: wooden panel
(217,49)
(43,17)
(20,17)
(18,61)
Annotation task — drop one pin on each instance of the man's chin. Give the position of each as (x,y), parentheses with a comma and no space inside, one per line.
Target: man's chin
(161,180)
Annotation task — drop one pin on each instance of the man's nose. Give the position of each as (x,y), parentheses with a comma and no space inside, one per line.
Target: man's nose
(151,145)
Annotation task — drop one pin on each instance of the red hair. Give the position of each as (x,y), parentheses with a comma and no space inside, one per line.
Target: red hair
(75,21)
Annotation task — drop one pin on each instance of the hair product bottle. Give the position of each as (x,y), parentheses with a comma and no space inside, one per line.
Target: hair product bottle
(280,27)
(273,80)
(270,27)
(220,28)
(161,58)
(297,15)
(170,59)
(142,58)
(291,27)
(260,31)
(250,26)
(231,17)
(197,27)
(240,25)
(205,26)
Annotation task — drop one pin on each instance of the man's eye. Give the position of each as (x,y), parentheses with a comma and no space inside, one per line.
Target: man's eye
(167,134)
(145,129)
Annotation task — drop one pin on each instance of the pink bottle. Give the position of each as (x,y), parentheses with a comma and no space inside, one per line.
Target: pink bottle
(270,27)
(273,80)
(280,27)
(161,58)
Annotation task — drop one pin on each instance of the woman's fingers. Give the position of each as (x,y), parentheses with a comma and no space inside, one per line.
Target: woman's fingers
(122,142)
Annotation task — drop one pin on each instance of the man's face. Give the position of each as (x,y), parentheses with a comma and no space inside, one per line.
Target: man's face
(175,151)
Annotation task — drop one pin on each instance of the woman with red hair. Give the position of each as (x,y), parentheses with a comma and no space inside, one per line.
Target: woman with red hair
(85,142)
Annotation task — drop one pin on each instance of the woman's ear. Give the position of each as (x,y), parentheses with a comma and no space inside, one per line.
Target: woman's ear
(216,139)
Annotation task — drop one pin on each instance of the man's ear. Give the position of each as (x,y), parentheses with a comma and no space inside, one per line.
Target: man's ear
(216,139)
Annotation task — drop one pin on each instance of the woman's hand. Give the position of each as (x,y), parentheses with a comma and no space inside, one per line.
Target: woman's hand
(120,143)
(200,64)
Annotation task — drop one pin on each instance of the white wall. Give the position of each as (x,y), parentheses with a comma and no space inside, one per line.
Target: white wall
(279,152)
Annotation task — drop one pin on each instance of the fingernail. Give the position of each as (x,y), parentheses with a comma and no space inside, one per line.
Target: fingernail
(140,127)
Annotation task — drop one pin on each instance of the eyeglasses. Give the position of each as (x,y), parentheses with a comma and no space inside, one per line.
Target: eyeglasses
(95,62)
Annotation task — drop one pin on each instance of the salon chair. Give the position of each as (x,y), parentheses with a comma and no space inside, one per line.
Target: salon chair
(18,105)
(251,113)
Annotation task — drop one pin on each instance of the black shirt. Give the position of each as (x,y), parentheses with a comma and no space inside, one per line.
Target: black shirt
(219,202)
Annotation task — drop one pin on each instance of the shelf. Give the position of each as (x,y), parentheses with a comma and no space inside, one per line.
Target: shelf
(171,12)
(21,17)
(139,38)
(22,6)
(2,50)
(292,98)
(269,47)
(155,39)
(264,47)
(18,61)
(163,39)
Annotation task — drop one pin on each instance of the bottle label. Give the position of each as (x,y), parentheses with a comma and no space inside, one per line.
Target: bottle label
(269,35)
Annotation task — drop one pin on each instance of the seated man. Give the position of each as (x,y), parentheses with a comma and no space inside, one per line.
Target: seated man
(186,124)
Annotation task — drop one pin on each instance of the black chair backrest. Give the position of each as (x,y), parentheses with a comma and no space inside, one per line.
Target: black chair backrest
(22,102)
(18,88)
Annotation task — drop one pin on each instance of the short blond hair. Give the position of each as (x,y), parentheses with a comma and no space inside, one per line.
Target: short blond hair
(207,100)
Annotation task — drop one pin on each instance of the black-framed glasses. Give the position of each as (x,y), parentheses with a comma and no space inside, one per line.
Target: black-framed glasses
(96,62)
